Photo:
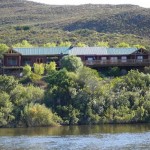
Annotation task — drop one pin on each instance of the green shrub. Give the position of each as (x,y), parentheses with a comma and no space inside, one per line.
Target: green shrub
(38,115)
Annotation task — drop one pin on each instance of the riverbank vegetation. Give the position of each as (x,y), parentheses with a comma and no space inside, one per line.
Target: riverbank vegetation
(75,94)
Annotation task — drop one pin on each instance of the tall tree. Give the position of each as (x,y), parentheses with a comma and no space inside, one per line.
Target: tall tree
(80,44)
(65,44)
(39,115)
(7,83)
(139,46)
(71,63)
(102,44)
(6,108)
(24,44)
(38,69)
(3,49)
(50,67)
(50,45)
(123,45)
(27,71)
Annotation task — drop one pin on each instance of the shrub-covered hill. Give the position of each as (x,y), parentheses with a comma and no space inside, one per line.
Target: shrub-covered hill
(122,19)
(37,37)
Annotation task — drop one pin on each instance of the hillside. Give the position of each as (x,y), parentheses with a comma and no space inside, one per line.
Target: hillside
(109,19)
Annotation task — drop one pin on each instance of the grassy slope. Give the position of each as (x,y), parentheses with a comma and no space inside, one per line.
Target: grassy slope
(109,19)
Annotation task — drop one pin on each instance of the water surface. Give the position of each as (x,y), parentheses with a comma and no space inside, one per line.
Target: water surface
(95,137)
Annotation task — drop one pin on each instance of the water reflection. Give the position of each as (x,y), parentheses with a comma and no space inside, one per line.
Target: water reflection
(75,130)
(98,137)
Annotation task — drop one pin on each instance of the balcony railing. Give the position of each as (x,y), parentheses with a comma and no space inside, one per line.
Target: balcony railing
(99,63)
(128,62)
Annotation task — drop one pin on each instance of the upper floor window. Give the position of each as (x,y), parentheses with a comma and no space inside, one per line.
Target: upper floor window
(113,59)
(103,58)
(124,59)
(27,61)
(12,61)
(139,58)
(90,58)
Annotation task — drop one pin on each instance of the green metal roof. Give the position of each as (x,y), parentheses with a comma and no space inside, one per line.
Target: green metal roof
(74,51)
(101,51)
(42,51)
(120,51)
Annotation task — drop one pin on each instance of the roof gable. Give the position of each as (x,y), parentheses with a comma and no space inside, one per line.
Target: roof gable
(141,51)
(12,51)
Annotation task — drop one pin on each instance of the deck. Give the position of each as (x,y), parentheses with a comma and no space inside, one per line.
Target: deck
(131,62)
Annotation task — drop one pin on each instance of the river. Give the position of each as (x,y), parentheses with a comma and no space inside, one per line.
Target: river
(94,137)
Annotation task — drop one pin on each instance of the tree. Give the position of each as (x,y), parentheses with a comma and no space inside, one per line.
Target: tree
(50,67)
(25,28)
(23,44)
(71,63)
(20,96)
(138,46)
(38,69)
(80,44)
(35,78)
(6,108)
(7,83)
(147,70)
(102,44)
(87,76)
(114,72)
(27,70)
(123,44)
(50,45)
(88,99)
(3,49)
(60,92)
(65,44)
(38,115)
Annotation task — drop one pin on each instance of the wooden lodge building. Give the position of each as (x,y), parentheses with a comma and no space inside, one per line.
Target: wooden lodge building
(94,57)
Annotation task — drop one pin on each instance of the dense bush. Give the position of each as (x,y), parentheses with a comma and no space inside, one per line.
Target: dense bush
(71,63)
(6,108)
(38,115)
(78,96)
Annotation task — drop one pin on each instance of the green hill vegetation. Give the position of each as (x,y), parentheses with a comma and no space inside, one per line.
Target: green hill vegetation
(89,24)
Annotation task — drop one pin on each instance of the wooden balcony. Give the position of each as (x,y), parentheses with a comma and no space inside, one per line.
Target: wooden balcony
(128,62)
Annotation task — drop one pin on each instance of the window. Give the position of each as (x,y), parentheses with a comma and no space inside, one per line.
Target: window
(49,59)
(113,59)
(12,61)
(103,58)
(124,59)
(27,61)
(90,58)
(140,58)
